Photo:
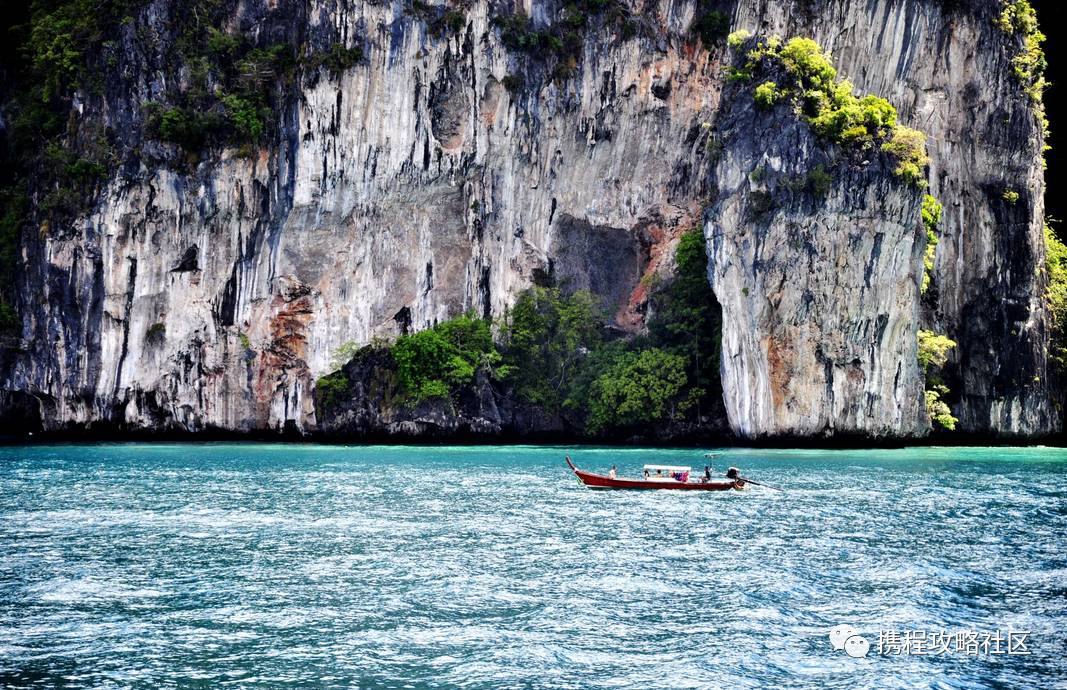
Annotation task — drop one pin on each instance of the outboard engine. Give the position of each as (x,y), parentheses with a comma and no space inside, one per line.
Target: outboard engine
(733,473)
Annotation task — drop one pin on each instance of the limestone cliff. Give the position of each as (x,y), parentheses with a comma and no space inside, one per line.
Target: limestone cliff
(819,291)
(446,168)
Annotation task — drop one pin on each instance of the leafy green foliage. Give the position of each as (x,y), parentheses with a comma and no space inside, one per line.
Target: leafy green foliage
(933,354)
(56,53)
(556,351)
(908,147)
(53,47)
(234,83)
(738,38)
(852,121)
(933,349)
(245,117)
(1018,19)
(189,129)
(431,362)
(804,60)
(711,26)
(828,103)
(1011,196)
(224,46)
(554,354)
(44,59)
(423,361)
(547,334)
(560,44)
(337,60)
(60,33)
(931,217)
(1017,16)
(331,388)
(1056,298)
(938,410)
(767,94)
(687,319)
(639,388)
(247,98)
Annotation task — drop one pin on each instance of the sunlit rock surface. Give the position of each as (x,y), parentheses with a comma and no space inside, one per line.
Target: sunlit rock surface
(415,186)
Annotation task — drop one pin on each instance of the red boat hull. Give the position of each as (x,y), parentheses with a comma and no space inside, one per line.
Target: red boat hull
(600,481)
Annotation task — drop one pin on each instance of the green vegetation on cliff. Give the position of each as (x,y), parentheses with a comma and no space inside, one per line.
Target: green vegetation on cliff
(1018,20)
(931,215)
(933,354)
(553,351)
(65,62)
(233,89)
(547,336)
(642,387)
(687,320)
(49,161)
(710,25)
(1056,298)
(560,43)
(807,80)
(432,363)
(555,346)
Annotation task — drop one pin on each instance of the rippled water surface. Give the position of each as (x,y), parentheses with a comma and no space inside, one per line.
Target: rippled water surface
(491,567)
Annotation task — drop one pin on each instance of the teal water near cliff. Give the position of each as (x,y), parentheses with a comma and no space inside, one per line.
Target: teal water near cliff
(272,566)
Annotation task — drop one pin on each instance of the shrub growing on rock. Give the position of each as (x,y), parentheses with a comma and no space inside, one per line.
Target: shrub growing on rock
(933,349)
(767,94)
(931,217)
(1056,298)
(933,354)
(432,362)
(828,103)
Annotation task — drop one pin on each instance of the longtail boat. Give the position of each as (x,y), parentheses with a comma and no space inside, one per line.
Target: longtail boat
(663,481)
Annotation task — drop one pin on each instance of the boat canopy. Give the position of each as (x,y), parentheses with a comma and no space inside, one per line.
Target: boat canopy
(667,468)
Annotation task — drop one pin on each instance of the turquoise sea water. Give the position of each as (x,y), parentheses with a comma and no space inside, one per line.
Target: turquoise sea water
(273,566)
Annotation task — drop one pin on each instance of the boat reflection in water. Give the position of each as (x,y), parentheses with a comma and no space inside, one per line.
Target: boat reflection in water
(660,477)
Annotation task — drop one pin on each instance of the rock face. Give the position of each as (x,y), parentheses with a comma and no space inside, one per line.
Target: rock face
(944,67)
(414,186)
(819,290)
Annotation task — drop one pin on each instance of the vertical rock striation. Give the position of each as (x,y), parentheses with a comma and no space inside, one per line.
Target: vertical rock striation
(947,69)
(819,288)
(423,182)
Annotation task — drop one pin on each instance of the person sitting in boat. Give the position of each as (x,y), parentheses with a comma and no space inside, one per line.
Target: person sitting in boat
(707,473)
(611,472)
(646,474)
